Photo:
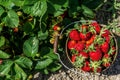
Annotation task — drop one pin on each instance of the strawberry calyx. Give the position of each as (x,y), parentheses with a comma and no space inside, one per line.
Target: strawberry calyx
(112,50)
(96,27)
(79,61)
(74,52)
(106,60)
(95,65)
(99,40)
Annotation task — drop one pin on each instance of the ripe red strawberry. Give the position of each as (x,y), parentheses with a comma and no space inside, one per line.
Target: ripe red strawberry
(97,69)
(88,35)
(106,64)
(79,46)
(84,54)
(85,36)
(105,47)
(82,36)
(96,26)
(107,39)
(73,58)
(56,27)
(106,33)
(71,44)
(86,66)
(95,55)
(74,34)
(106,60)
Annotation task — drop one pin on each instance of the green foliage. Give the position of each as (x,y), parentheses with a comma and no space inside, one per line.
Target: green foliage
(11,19)
(4,55)
(30,47)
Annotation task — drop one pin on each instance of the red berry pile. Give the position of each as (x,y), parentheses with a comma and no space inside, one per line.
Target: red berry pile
(91,47)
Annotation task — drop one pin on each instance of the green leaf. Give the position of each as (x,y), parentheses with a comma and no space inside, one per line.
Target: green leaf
(5,67)
(43,63)
(18,2)
(87,12)
(1,28)
(54,67)
(4,55)
(30,2)
(57,7)
(1,10)
(2,41)
(11,19)
(39,8)
(24,62)
(20,74)
(28,27)
(7,4)
(30,47)
(74,8)
(27,9)
(42,35)
(47,52)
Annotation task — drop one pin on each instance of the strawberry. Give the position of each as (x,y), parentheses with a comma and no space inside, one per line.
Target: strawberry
(105,47)
(95,55)
(96,66)
(71,44)
(82,36)
(97,69)
(91,40)
(96,26)
(15,29)
(74,34)
(106,60)
(85,36)
(86,66)
(84,28)
(56,27)
(113,50)
(88,35)
(73,58)
(106,33)
(107,39)
(84,54)
(79,46)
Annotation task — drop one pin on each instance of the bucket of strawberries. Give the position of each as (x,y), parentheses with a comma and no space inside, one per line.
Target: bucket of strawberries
(91,47)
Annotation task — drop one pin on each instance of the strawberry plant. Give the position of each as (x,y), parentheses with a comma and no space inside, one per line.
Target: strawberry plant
(93,53)
(28,29)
